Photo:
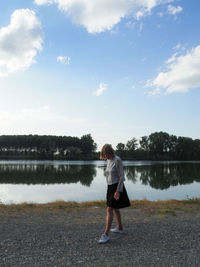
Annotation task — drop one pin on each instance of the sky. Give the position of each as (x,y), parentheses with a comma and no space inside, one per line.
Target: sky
(116,69)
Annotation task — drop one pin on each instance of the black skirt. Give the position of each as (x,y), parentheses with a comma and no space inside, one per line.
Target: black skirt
(123,200)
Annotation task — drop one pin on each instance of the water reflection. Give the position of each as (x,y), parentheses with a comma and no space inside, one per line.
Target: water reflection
(158,176)
(162,176)
(47,174)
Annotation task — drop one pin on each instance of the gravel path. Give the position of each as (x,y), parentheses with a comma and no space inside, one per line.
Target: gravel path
(70,238)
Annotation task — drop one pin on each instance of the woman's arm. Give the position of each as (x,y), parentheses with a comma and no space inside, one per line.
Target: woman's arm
(120,171)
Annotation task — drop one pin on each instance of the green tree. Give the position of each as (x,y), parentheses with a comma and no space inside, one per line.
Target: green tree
(120,150)
(159,144)
(120,147)
(144,143)
(196,144)
(73,153)
(87,144)
(173,141)
(185,148)
(131,146)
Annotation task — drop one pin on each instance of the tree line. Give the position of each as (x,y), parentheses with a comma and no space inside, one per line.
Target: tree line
(156,146)
(47,147)
(160,146)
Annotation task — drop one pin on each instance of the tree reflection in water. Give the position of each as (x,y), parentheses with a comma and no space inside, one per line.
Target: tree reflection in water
(162,176)
(47,174)
(157,175)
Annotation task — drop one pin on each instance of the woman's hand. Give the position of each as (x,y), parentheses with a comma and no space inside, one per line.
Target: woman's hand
(116,195)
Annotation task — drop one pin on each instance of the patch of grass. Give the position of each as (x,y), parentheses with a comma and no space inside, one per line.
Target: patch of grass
(30,205)
(167,211)
(94,204)
(151,207)
(192,201)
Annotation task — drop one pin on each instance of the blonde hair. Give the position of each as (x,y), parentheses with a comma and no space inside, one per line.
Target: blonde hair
(107,149)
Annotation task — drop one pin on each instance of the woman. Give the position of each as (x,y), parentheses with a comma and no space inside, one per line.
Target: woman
(116,193)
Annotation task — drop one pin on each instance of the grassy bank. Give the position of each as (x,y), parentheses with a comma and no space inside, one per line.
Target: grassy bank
(151,207)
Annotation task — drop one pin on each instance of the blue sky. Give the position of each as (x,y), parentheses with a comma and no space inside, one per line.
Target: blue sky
(117,69)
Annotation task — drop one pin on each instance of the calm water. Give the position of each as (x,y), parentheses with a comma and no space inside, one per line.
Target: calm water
(46,181)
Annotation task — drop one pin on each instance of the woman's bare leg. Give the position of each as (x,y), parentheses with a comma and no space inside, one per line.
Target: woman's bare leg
(118,218)
(109,219)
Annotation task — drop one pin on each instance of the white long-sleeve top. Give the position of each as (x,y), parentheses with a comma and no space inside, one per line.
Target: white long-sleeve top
(115,173)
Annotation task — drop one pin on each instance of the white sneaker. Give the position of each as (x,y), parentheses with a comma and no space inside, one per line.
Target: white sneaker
(104,238)
(116,230)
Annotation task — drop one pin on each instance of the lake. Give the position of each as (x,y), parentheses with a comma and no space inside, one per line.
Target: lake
(47,181)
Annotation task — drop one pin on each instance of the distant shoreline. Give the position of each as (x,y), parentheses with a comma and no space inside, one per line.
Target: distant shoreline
(96,159)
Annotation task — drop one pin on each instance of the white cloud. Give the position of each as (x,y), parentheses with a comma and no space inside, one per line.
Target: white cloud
(44,2)
(64,60)
(173,10)
(114,30)
(101,89)
(39,120)
(20,41)
(176,47)
(183,74)
(172,58)
(130,24)
(101,15)
(179,47)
